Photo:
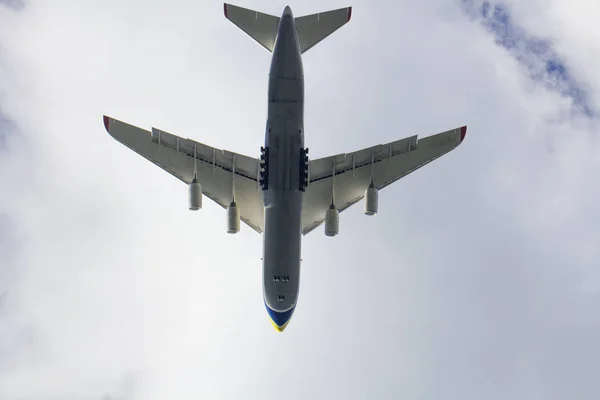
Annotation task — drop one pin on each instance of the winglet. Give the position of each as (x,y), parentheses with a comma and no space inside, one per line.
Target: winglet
(463,133)
(349,13)
(106,122)
(225,9)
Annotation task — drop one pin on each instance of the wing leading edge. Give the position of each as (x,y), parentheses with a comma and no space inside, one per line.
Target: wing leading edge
(344,178)
(217,170)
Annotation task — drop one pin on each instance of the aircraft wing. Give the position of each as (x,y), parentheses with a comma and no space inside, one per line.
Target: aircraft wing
(346,176)
(216,169)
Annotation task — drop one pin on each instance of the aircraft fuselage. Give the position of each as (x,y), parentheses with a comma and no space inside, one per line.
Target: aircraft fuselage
(284,139)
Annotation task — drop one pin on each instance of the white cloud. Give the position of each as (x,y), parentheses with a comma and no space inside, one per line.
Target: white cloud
(477,279)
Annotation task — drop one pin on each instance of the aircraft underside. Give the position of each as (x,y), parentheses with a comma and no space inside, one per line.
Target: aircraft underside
(283,194)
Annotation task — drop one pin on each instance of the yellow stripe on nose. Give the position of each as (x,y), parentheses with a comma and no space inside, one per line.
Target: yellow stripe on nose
(279,328)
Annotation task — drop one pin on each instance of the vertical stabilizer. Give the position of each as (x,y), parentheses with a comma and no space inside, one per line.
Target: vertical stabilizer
(260,27)
(316,27)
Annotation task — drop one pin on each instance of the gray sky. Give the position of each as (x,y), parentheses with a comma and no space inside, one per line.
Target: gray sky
(478,279)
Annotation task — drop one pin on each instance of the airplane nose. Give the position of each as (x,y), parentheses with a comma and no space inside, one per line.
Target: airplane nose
(287,11)
(280,319)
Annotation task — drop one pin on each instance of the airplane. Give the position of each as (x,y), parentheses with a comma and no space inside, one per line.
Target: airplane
(283,194)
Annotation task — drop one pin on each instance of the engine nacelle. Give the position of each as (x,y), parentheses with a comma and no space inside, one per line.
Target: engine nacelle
(332,221)
(233,218)
(371,200)
(195,189)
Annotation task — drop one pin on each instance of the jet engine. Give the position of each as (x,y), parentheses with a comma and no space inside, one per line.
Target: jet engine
(371,200)
(332,221)
(195,189)
(233,218)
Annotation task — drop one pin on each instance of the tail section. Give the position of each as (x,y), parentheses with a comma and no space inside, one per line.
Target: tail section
(316,27)
(260,27)
(311,28)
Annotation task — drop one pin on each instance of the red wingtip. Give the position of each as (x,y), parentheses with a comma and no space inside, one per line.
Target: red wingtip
(225,9)
(106,123)
(463,133)
(349,13)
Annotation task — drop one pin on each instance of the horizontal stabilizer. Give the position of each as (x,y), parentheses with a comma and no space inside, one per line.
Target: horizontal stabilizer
(316,27)
(259,26)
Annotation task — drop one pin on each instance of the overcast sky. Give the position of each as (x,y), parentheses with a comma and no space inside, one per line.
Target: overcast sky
(480,277)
